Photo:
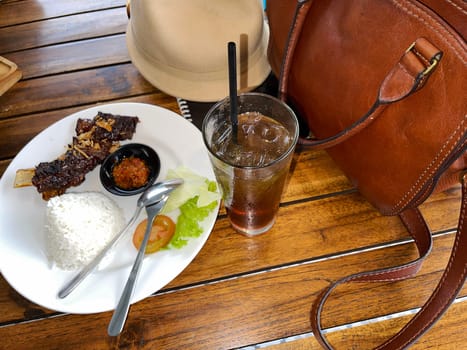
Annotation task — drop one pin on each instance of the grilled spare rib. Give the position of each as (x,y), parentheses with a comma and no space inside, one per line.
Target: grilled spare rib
(95,139)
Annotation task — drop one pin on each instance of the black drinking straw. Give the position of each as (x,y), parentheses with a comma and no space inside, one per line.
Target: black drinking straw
(232,56)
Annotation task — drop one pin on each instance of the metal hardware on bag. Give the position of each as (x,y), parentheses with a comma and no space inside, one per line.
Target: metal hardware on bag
(410,47)
(433,64)
(433,61)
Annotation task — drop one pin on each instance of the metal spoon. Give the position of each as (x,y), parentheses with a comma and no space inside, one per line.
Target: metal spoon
(153,207)
(152,195)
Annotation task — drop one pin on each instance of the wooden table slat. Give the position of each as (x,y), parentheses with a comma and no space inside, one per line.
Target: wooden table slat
(63,29)
(446,334)
(71,89)
(25,11)
(62,58)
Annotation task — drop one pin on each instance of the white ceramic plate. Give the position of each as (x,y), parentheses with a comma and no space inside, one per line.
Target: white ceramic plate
(23,260)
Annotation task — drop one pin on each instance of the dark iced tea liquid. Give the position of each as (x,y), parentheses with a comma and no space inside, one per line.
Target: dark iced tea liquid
(254,204)
(253,180)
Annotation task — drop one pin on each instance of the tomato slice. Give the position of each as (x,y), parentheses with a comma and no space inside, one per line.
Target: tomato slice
(162,232)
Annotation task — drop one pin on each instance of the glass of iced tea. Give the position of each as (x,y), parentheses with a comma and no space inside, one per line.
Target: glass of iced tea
(252,169)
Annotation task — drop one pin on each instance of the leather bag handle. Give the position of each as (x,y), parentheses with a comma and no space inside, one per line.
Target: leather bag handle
(448,287)
(407,76)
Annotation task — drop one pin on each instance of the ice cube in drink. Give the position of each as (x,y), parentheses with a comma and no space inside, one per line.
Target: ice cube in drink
(253,171)
(260,141)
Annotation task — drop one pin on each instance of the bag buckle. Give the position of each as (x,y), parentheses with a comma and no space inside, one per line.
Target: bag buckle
(427,52)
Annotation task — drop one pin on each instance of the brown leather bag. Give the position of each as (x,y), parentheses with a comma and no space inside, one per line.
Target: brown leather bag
(382,86)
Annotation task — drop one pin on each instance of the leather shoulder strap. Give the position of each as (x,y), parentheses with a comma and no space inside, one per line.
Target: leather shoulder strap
(448,287)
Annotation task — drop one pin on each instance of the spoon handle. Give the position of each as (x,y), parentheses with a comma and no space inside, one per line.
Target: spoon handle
(84,272)
(121,311)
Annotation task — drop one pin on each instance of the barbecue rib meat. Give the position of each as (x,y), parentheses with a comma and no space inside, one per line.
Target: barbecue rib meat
(95,139)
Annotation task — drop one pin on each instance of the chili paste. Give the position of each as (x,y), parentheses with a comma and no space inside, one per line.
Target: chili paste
(130,173)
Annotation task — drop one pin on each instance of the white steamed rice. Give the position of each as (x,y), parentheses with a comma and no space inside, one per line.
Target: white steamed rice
(78,226)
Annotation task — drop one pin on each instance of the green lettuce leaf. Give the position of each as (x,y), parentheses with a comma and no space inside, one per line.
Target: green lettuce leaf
(195,199)
(188,221)
(194,185)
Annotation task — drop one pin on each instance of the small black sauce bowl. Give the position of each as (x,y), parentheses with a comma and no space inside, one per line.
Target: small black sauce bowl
(143,152)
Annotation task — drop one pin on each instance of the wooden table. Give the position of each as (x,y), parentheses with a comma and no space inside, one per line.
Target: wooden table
(238,292)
